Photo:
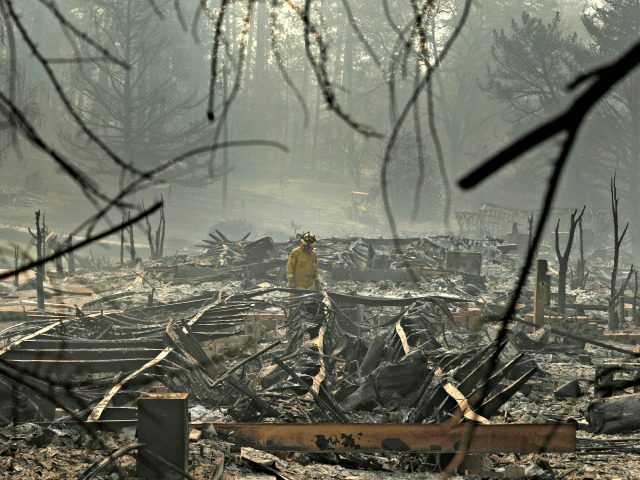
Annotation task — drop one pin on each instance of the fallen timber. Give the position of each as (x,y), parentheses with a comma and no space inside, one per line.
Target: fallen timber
(53,359)
(581,338)
(370,301)
(336,357)
(406,339)
(410,347)
(614,414)
(379,364)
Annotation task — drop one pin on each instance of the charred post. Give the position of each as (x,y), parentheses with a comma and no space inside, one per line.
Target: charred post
(16,257)
(132,245)
(71,257)
(618,237)
(540,294)
(40,253)
(634,308)
(55,246)
(122,244)
(581,275)
(149,238)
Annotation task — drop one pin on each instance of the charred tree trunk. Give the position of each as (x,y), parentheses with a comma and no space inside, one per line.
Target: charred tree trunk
(122,244)
(225,151)
(160,233)
(581,264)
(621,311)
(617,242)
(56,247)
(16,256)
(71,259)
(634,314)
(149,237)
(615,414)
(156,242)
(563,258)
(132,245)
(59,268)
(39,236)
(540,293)
(634,174)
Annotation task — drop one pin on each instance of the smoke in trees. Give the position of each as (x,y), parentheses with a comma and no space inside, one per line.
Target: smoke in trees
(146,112)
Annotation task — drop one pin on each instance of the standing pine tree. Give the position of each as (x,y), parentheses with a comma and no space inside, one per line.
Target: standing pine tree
(530,67)
(532,63)
(149,112)
(613,25)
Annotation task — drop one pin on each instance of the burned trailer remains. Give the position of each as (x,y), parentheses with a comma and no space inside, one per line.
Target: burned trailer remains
(244,355)
(405,371)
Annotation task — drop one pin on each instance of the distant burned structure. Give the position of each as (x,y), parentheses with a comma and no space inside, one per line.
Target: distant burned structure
(512,225)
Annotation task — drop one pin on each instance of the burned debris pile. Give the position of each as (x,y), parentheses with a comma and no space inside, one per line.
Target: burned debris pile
(407,337)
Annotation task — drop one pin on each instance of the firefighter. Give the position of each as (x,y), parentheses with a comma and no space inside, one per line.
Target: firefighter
(302,267)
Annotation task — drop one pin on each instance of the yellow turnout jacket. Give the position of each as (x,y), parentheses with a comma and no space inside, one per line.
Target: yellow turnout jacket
(302,268)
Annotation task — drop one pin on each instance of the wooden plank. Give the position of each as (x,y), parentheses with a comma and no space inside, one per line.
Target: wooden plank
(403,338)
(463,404)
(81,354)
(205,309)
(266,317)
(434,438)
(77,344)
(30,336)
(322,373)
(623,337)
(68,369)
(573,336)
(97,411)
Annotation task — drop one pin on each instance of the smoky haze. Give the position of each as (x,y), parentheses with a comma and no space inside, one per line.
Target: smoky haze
(144,84)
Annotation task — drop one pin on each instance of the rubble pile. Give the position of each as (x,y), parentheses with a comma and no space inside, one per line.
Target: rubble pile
(406,332)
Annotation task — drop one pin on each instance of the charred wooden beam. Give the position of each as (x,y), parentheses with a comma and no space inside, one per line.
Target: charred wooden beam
(605,385)
(540,296)
(99,408)
(615,414)
(191,348)
(33,335)
(327,402)
(68,369)
(342,298)
(78,344)
(83,354)
(573,336)
(491,405)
